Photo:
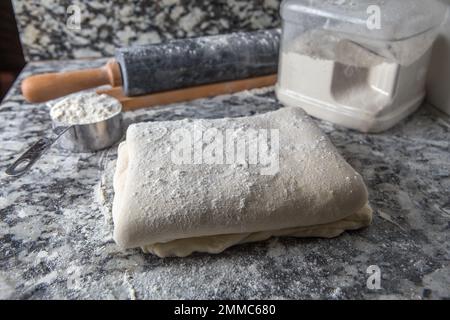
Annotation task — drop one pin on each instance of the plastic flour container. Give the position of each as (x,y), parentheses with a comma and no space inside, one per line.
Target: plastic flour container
(361,64)
(438,86)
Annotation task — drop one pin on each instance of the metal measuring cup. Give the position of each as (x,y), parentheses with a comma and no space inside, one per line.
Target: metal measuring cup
(77,137)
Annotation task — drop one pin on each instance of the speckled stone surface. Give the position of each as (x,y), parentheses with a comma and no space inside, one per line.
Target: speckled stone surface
(55,235)
(106,25)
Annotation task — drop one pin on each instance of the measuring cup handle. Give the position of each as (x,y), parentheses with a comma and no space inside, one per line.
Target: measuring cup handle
(26,161)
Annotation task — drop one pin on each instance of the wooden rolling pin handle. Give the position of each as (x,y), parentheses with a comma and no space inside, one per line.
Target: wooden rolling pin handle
(187,94)
(47,86)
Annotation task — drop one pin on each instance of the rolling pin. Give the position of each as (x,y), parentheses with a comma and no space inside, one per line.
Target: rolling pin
(187,94)
(168,66)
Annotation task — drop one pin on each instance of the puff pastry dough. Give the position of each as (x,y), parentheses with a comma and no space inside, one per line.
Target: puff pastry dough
(171,209)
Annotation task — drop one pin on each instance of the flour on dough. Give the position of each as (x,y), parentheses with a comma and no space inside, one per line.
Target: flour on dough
(173,210)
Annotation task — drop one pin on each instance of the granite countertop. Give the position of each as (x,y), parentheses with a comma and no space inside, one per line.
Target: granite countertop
(55,238)
(104,26)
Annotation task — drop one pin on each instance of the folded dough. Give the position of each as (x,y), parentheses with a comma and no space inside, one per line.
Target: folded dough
(172,209)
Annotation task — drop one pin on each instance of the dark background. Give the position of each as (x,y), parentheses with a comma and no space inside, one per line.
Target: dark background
(11,56)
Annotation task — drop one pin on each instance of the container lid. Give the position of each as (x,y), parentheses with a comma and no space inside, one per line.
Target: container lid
(398,19)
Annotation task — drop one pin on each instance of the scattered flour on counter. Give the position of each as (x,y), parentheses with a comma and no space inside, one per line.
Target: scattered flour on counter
(103,192)
(85,108)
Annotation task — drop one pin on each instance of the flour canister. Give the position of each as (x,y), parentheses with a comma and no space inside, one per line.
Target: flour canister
(438,86)
(360,64)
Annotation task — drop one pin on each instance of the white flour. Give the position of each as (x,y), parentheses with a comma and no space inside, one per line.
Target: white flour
(85,108)
(438,92)
(361,52)
(359,86)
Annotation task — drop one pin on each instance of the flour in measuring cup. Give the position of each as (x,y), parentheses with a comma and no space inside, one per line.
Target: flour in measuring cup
(85,108)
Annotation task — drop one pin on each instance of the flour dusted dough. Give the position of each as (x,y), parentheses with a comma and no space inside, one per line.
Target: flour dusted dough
(173,210)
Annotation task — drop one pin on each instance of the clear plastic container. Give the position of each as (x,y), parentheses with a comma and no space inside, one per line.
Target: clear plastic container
(438,85)
(361,64)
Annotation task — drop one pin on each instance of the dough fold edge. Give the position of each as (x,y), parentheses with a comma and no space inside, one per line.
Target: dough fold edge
(219,243)
(339,206)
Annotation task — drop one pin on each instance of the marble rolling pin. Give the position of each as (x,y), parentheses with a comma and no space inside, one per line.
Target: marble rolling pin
(222,64)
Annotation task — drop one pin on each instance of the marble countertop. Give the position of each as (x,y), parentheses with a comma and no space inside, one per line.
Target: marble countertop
(55,238)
